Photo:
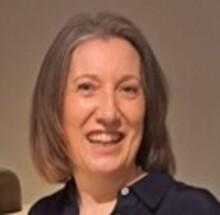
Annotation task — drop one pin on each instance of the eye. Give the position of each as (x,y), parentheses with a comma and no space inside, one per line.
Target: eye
(129,90)
(85,88)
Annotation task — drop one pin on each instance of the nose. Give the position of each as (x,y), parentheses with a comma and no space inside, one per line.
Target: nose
(108,111)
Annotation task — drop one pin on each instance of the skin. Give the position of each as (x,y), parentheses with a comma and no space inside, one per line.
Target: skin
(103,96)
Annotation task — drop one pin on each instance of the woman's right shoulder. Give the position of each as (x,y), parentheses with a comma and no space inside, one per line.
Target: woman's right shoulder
(47,204)
(54,203)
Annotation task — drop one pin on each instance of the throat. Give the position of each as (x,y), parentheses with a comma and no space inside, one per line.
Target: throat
(99,194)
(104,188)
(97,208)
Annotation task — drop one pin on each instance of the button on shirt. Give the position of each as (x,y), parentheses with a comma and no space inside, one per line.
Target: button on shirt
(125,191)
(155,194)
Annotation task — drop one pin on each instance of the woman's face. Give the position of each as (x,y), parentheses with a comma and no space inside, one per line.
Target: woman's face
(104,106)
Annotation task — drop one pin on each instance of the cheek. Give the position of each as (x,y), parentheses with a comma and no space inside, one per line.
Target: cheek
(76,112)
(135,114)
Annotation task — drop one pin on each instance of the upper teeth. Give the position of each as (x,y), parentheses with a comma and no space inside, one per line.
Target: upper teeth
(104,137)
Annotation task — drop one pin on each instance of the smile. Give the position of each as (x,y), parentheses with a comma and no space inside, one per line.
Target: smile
(104,137)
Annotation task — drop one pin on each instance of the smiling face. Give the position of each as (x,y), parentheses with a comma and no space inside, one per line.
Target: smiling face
(104,106)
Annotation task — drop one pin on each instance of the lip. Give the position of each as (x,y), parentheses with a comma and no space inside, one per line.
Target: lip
(113,137)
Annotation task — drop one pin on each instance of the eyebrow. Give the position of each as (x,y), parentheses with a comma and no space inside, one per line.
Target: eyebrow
(129,77)
(96,78)
(90,76)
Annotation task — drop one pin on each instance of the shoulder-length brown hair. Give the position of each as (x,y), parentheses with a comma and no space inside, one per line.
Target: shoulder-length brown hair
(48,144)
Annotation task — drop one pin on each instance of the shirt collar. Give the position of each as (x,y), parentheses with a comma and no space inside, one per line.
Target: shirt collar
(152,188)
(70,190)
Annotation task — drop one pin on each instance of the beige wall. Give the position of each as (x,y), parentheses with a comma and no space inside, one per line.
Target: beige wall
(185,36)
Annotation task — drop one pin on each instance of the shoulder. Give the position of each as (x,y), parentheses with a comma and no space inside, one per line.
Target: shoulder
(46,204)
(188,199)
(55,203)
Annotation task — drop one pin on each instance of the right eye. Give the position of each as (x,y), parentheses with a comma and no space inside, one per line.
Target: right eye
(85,88)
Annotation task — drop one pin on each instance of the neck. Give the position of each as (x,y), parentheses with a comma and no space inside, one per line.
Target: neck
(102,189)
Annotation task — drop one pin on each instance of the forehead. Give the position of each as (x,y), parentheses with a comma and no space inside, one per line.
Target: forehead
(109,53)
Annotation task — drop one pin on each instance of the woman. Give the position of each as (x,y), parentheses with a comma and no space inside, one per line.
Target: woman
(98,124)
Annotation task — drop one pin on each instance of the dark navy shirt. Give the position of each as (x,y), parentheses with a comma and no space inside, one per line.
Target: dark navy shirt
(155,194)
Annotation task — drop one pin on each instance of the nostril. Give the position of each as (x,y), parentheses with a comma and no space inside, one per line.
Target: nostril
(107,111)
(111,125)
(109,120)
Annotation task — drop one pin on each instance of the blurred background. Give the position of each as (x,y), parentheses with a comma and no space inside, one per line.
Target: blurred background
(185,36)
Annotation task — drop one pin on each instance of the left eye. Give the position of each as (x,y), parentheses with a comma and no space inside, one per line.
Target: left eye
(129,90)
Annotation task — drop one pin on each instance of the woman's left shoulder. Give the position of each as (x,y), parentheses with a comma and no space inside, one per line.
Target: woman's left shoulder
(194,200)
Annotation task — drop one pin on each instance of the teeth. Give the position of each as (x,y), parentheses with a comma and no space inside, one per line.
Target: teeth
(104,137)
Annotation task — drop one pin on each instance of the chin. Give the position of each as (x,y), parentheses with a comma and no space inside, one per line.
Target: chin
(106,167)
